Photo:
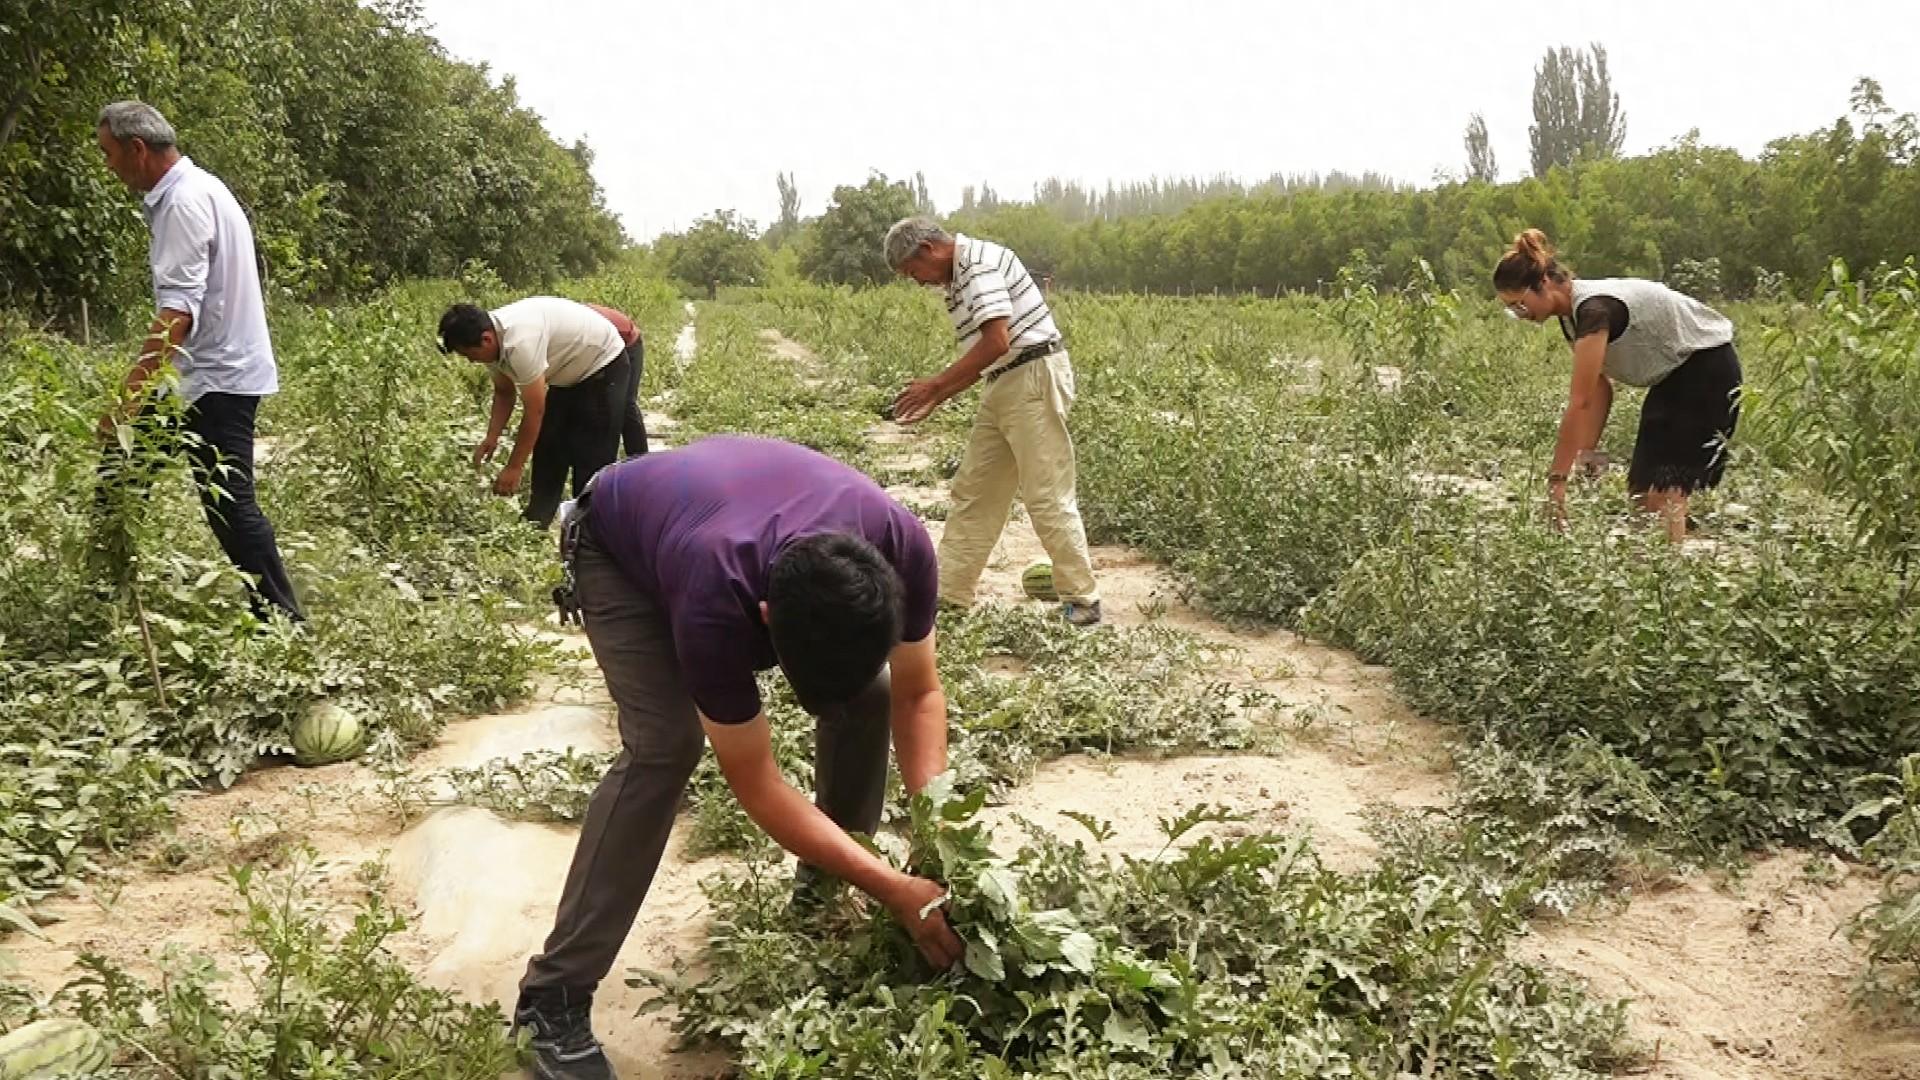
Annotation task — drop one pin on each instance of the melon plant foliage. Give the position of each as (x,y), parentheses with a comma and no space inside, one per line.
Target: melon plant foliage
(1226,954)
(324,1001)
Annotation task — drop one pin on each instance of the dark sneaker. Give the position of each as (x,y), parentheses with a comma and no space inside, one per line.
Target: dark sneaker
(1081,614)
(561,1022)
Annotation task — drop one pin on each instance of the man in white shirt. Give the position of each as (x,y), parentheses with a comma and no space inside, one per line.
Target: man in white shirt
(1019,442)
(211,324)
(572,373)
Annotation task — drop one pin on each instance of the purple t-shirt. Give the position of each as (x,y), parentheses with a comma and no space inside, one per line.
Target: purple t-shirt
(699,528)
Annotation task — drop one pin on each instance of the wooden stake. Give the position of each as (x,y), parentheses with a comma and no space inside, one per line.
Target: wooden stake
(153,657)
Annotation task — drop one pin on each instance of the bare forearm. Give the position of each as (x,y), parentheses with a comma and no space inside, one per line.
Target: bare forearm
(801,828)
(138,376)
(920,740)
(965,371)
(501,413)
(1580,429)
(531,416)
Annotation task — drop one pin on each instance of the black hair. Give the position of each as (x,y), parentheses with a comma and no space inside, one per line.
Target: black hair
(834,610)
(461,327)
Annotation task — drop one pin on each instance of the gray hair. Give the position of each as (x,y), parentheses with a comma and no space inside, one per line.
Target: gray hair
(907,236)
(137,120)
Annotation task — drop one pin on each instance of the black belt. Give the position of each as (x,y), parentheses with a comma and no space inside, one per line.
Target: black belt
(600,374)
(1028,356)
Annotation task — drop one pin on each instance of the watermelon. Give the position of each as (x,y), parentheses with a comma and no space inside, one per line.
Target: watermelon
(326,734)
(1038,582)
(56,1046)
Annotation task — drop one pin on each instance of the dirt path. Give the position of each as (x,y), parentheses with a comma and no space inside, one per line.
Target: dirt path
(1746,984)
(686,345)
(1743,982)
(480,889)
(1354,743)
(795,353)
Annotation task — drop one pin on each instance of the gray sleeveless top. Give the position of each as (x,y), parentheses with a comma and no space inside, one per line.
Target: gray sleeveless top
(1664,327)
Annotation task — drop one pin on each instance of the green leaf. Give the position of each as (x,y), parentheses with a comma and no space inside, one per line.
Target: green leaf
(1124,1033)
(999,888)
(964,808)
(18,920)
(1101,830)
(1079,950)
(983,960)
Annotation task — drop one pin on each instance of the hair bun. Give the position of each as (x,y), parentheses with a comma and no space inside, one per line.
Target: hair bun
(1533,245)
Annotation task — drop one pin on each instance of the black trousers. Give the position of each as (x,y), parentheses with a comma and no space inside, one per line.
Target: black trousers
(222,465)
(580,435)
(633,429)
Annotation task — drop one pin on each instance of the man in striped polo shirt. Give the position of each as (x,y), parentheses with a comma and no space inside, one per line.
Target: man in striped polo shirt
(1019,443)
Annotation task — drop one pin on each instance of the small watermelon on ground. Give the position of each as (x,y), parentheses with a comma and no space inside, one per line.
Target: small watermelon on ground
(325,734)
(1038,582)
(56,1046)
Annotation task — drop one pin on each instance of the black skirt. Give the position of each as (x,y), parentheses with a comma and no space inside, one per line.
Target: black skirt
(1685,425)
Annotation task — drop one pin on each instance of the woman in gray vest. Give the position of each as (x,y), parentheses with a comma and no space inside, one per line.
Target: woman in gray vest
(1640,333)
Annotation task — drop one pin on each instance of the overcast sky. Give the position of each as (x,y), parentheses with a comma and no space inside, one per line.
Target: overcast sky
(693,106)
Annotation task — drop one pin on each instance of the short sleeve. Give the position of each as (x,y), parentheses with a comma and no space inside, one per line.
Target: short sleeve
(985,296)
(919,568)
(181,253)
(525,356)
(718,673)
(1600,315)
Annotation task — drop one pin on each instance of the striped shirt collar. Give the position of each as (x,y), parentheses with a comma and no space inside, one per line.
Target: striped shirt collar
(965,251)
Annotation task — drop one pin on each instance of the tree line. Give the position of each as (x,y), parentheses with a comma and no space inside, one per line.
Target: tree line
(1074,202)
(1705,218)
(1726,223)
(361,150)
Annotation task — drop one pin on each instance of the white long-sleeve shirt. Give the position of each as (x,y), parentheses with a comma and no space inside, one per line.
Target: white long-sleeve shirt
(203,264)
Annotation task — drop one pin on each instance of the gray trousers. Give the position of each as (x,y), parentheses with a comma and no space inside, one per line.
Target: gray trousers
(632,811)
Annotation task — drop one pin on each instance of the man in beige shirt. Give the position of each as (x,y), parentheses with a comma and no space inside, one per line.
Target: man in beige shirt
(572,374)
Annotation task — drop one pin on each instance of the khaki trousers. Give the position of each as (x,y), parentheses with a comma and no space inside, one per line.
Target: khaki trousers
(1019,445)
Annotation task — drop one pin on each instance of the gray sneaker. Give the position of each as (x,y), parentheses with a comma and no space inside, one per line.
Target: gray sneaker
(1081,614)
(563,1045)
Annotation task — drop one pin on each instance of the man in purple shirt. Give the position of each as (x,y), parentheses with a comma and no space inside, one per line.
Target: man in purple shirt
(694,569)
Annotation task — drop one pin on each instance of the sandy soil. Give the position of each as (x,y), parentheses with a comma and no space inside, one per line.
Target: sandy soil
(1739,981)
(1746,983)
